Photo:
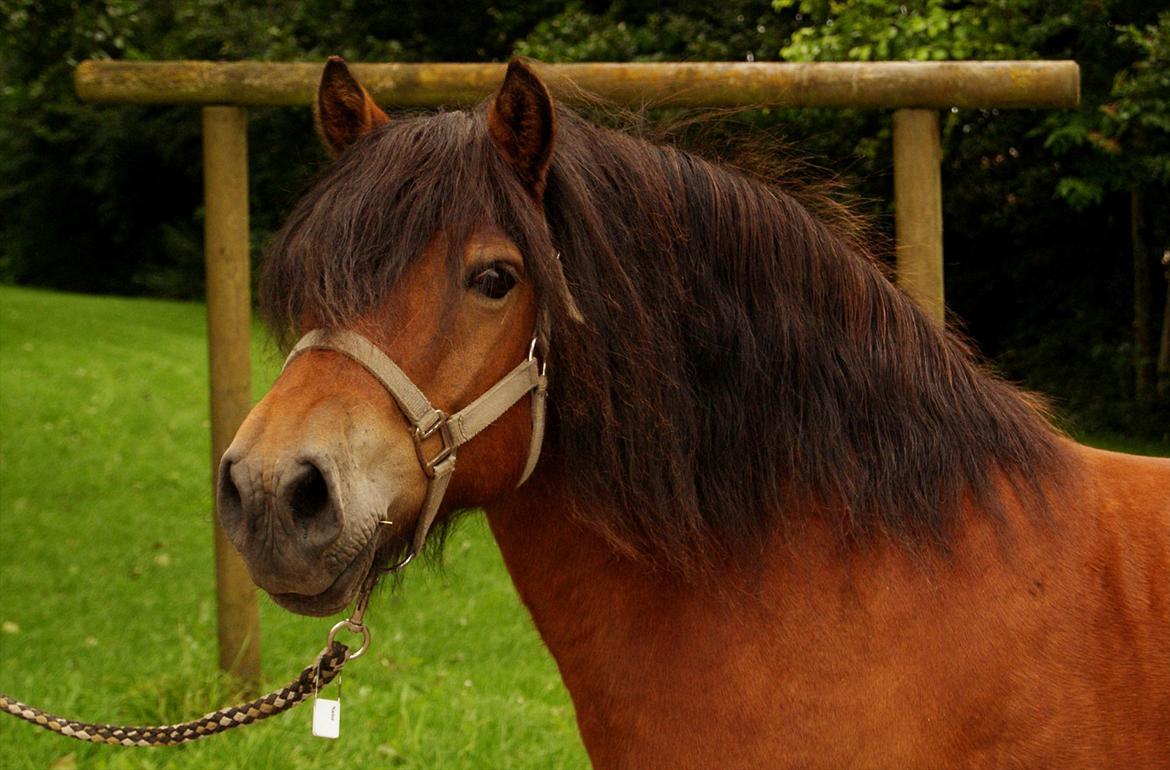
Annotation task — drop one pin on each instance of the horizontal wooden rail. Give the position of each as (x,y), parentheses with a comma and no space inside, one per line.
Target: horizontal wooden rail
(865,85)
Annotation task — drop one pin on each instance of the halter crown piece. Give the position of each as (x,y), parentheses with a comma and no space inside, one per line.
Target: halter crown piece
(427,421)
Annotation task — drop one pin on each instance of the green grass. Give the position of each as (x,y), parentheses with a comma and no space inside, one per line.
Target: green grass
(106,584)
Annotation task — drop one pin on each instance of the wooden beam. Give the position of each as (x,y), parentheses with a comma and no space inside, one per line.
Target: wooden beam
(876,85)
(229,341)
(918,208)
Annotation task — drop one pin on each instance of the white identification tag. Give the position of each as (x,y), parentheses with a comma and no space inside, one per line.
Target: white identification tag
(326,718)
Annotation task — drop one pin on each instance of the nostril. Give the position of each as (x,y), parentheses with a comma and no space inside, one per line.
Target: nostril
(229,501)
(310,494)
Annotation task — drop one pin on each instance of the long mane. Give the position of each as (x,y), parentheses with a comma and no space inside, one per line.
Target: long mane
(741,361)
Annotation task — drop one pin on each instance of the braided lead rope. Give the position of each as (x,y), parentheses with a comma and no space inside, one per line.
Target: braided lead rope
(320,673)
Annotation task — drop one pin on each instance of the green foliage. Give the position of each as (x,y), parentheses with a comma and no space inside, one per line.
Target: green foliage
(1137,119)
(871,30)
(1080,194)
(734,30)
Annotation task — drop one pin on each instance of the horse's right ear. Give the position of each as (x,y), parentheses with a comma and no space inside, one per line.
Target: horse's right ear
(345,110)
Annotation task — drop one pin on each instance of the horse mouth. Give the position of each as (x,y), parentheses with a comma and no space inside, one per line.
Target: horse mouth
(340,592)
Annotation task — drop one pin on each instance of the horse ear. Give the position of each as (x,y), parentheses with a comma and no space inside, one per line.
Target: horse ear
(522,125)
(345,110)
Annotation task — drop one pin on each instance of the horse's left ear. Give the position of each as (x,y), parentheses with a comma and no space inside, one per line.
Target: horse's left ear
(522,125)
(345,110)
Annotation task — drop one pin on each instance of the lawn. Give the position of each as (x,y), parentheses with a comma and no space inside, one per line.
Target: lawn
(106,589)
(107,606)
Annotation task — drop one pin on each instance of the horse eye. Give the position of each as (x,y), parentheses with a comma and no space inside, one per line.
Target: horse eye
(493,282)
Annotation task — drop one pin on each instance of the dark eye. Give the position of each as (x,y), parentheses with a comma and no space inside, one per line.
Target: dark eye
(493,282)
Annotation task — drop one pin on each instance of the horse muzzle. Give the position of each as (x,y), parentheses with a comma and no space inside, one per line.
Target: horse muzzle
(305,486)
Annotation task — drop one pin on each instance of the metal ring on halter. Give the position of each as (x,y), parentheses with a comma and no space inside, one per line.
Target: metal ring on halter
(405,560)
(357,628)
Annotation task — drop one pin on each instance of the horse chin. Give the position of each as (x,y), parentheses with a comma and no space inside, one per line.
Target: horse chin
(338,595)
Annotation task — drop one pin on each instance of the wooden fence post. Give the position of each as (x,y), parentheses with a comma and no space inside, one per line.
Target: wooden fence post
(229,340)
(918,208)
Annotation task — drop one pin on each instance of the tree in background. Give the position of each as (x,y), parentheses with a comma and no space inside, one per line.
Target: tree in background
(1135,130)
(1053,219)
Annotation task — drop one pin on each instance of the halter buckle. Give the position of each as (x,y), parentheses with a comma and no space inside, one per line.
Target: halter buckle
(431,466)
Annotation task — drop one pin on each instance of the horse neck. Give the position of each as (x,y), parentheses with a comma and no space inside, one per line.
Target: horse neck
(755,669)
(627,636)
(560,567)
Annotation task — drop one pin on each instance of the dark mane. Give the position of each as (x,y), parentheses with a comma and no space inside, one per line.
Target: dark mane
(739,360)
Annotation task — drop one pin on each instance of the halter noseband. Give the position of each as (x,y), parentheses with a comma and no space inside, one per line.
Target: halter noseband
(427,421)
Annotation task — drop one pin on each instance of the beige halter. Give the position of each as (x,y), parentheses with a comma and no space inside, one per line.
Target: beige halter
(454,430)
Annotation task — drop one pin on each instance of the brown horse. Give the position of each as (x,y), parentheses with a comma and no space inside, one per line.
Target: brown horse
(780,518)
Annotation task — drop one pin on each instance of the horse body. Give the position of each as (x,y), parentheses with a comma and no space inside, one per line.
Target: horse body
(1045,644)
(782,519)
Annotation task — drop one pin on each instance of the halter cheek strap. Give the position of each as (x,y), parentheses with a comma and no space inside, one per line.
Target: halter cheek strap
(427,421)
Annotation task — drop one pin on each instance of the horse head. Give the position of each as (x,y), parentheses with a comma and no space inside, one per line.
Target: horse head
(336,469)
